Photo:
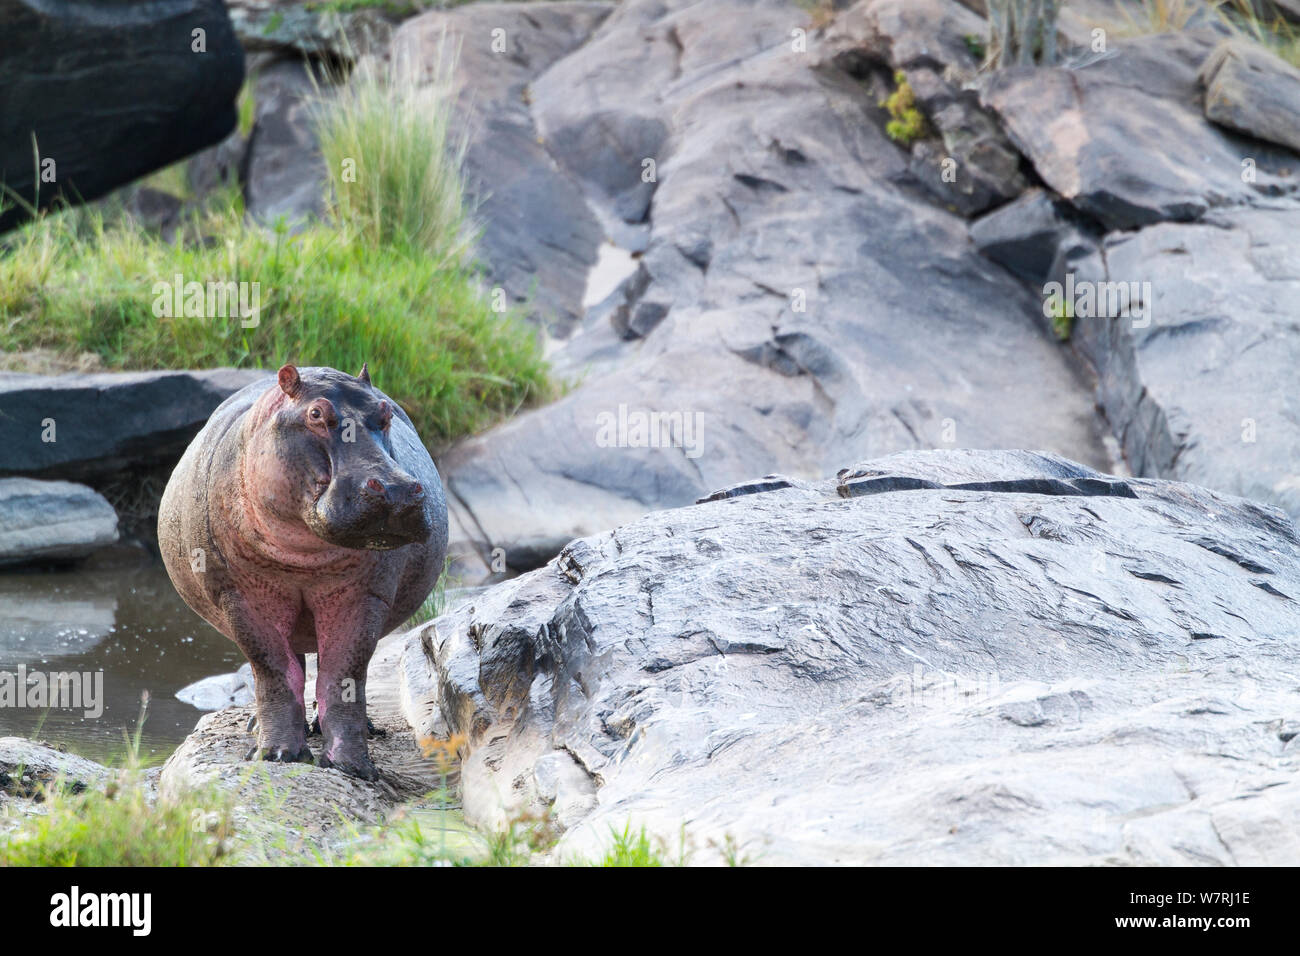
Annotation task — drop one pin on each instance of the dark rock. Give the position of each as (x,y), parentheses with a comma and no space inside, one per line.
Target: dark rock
(88,83)
(926,676)
(1027,235)
(285,173)
(101,423)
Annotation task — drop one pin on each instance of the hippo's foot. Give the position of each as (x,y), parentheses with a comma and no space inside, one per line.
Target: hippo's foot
(282,754)
(352,762)
(371,729)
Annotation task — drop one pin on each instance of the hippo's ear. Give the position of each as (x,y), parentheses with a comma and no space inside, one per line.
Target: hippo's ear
(290,383)
(364,375)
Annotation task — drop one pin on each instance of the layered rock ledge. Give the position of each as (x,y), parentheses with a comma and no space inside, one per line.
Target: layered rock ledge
(933,658)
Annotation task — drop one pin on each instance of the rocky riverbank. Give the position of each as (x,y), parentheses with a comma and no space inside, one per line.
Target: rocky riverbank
(786,582)
(934,657)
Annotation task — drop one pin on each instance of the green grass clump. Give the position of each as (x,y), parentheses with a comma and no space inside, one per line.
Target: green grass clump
(636,849)
(394,165)
(120,826)
(123,824)
(395,8)
(907,123)
(1262,22)
(384,279)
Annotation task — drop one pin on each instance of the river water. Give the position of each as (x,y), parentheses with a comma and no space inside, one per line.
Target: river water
(125,631)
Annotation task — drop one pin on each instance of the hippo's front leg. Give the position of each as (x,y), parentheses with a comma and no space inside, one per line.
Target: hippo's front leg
(278,678)
(347,630)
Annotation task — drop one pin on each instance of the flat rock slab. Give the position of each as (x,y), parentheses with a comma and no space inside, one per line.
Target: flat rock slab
(977,658)
(1250,90)
(52,521)
(87,426)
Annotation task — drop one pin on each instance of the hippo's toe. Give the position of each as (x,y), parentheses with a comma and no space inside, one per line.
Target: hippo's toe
(360,766)
(287,754)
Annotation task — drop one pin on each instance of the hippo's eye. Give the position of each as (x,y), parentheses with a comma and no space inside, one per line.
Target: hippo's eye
(315,414)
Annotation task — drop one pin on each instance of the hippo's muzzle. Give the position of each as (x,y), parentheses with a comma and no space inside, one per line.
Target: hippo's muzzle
(377,513)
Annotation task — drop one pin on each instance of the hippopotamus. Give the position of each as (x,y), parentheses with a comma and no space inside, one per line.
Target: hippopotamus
(306,517)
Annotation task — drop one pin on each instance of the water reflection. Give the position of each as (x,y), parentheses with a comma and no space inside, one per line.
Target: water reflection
(127,622)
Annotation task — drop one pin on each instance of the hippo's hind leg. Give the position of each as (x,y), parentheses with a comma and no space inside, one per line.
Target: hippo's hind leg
(346,633)
(278,681)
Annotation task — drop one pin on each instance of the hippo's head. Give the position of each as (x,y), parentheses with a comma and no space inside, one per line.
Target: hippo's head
(327,458)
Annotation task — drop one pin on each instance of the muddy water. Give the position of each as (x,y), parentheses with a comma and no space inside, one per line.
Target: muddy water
(125,623)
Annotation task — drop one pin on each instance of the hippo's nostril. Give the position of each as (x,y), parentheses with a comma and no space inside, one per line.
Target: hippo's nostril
(375,485)
(417,490)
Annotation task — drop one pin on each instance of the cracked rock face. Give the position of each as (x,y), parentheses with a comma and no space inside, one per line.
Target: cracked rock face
(933,658)
(1126,139)
(798,297)
(1203,389)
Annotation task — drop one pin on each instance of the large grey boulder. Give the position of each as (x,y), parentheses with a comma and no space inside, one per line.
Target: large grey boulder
(88,426)
(792,305)
(109,92)
(52,521)
(1251,90)
(1125,139)
(935,658)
